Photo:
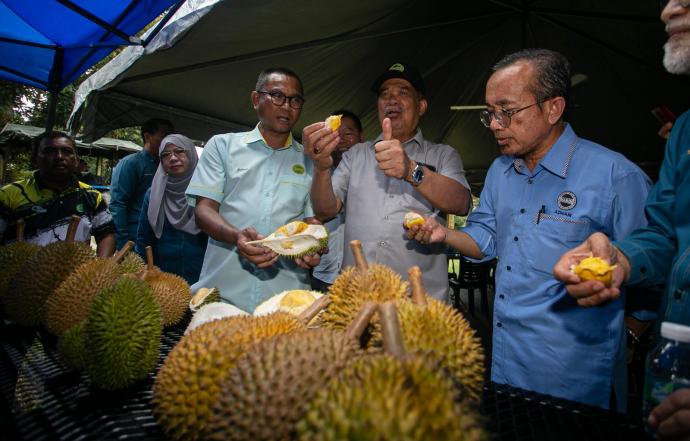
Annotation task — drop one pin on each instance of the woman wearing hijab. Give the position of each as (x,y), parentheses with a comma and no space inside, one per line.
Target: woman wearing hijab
(167,221)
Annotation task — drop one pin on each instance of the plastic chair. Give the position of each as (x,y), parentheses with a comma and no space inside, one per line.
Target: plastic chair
(475,276)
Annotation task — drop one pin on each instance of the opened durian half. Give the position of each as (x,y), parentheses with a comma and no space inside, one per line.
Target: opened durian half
(295,239)
(293,301)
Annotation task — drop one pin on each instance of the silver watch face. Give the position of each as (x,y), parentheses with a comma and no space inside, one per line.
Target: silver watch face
(418,174)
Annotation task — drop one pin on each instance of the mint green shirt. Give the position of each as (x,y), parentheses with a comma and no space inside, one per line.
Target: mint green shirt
(256,186)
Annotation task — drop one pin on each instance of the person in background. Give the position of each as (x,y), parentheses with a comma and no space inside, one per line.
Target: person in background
(245,187)
(378,181)
(132,177)
(48,199)
(323,276)
(547,191)
(85,174)
(167,223)
(660,252)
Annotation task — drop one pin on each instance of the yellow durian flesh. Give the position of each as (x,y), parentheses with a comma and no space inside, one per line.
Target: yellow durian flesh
(594,268)
(412,218)
(333,122)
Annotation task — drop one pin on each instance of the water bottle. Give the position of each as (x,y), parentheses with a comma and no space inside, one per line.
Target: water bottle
(667,367)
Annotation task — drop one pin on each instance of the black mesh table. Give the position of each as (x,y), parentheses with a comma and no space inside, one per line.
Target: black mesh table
(42,399)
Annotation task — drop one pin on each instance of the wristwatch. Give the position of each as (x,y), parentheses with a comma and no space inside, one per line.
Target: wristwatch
(417,175)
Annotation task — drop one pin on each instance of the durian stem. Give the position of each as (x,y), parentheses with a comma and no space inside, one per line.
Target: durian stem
(390,327)
(312,310)
(418,294)
(360,323)
(358,253)
(121,254)
(72,229)
(20,230)
(149,257)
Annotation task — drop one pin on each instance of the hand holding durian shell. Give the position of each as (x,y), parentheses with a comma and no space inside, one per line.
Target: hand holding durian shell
(262,257)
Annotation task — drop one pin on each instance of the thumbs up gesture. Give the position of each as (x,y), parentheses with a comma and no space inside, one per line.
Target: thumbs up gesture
(390,155)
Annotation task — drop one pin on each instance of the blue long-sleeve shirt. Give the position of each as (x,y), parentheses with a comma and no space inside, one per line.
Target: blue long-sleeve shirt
(176,251)
(660,252)
(542,340)
(131,178)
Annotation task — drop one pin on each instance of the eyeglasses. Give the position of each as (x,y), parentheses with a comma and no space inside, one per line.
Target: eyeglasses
(168,154)
(682,3)
(278,98)
(502,116)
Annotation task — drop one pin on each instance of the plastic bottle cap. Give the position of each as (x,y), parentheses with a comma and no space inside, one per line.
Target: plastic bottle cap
(674,331)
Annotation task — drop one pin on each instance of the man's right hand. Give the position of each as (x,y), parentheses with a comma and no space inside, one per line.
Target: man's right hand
(262,257)
(592,292)
(427,233)
(319,143)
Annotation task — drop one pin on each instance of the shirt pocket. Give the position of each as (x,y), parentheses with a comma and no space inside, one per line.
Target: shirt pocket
(552,236)
(291,192)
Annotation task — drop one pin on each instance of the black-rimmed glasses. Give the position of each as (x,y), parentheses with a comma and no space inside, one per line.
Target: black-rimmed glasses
(279,98)
(502,116)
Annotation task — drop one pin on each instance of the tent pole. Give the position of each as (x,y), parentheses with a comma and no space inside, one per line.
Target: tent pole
(52,108)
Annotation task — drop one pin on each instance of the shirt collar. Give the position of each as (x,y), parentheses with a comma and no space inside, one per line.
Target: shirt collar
(557,159)
(418,138)
(41,185)
(255,136)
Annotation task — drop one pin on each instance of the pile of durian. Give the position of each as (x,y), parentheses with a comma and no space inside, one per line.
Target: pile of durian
(108,314)
(372,360)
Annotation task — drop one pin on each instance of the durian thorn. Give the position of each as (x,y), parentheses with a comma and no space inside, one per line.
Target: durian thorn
(149,257)
(312,310)
(72,229)
(124,250)
(390,329)
(418,294)
(358,253)
(360,323)
(20,229)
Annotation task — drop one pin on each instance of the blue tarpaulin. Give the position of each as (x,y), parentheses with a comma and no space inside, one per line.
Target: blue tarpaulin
(49,43)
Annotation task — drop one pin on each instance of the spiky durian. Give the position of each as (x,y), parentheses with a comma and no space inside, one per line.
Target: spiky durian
(41,274)
(270,387)
(12,257)
(122,334)
(384,398)
(435,328)
(188,384)
(171,292)
(295,239)
(69,303)
(204,296)
(72,346)
(132,263)
(358,285)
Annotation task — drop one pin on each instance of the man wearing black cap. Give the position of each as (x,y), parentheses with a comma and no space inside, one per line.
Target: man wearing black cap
(378,181)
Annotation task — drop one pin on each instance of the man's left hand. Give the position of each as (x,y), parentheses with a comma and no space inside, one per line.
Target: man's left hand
(390,154)
(309,261)
(671,418)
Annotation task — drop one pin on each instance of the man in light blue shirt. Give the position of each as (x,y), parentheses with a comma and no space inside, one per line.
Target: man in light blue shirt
(245,187)
(548,191)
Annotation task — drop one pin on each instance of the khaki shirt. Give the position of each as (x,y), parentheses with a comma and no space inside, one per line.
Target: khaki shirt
(375,204)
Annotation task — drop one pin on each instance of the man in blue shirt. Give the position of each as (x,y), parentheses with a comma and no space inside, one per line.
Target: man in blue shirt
(132,177)
(549,190)
(245,187)
(660,252)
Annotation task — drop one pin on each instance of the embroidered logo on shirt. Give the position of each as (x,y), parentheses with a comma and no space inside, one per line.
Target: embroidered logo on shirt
(566,200)
(298,168)
(79,208)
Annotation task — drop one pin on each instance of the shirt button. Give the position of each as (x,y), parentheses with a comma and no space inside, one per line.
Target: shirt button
(382,243)
(499,324)
(501,296)
(385,217)
(391,196)
(508,267)
(515,238)
(677,294)
(268,194)
(529,181)
(522,210)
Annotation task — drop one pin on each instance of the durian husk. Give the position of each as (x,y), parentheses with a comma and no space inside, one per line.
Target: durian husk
(132,263)
(188,384)
(72,346)
(40,275)
(171,292)
(439,330)
(204,296)
(122,334)
(353,288)
(69,304)
(382,397)
(269,389)
(12,258)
